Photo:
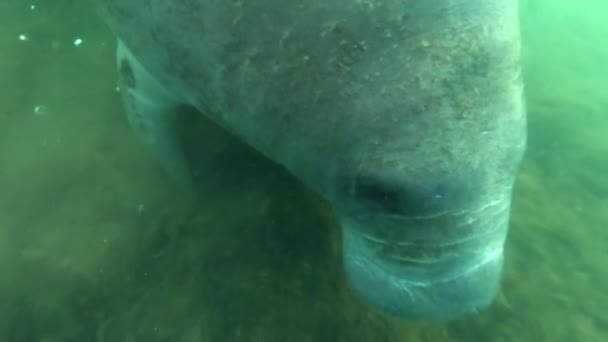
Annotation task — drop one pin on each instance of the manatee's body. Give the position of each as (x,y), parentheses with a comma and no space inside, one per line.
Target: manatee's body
(407,116)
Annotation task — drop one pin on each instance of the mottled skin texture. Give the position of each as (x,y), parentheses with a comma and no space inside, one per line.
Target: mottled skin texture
(407,115)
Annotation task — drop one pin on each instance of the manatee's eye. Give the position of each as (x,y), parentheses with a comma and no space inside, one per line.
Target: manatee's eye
(387,197)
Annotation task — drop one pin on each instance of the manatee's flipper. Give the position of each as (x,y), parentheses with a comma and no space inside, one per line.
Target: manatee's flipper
(152,111)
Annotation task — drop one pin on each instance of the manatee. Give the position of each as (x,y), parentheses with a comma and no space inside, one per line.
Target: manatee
(407,116)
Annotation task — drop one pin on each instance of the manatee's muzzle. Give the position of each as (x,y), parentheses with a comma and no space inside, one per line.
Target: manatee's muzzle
(432,278)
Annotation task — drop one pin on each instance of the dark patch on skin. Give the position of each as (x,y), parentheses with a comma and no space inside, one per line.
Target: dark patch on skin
(126,72)
(386,197)
(378,195)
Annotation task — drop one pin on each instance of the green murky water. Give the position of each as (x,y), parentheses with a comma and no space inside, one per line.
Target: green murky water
(96,245)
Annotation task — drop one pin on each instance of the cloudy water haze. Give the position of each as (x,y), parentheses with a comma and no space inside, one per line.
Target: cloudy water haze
(97,244)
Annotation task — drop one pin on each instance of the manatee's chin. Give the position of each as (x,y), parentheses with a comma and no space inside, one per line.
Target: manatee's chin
(465,289)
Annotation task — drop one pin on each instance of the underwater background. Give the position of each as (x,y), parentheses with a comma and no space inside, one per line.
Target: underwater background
(96,244)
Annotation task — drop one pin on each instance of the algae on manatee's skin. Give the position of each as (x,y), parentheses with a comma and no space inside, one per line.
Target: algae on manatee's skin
(95,245)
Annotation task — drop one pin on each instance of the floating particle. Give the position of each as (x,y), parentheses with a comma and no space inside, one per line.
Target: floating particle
(40,110)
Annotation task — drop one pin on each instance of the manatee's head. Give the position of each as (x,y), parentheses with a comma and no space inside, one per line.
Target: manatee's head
(423,231)
(424,210)
(412,131)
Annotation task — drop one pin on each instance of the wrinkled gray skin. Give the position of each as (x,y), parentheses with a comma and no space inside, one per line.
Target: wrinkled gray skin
(406,115)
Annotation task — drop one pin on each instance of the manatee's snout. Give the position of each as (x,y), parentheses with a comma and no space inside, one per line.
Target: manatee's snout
(438,267)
